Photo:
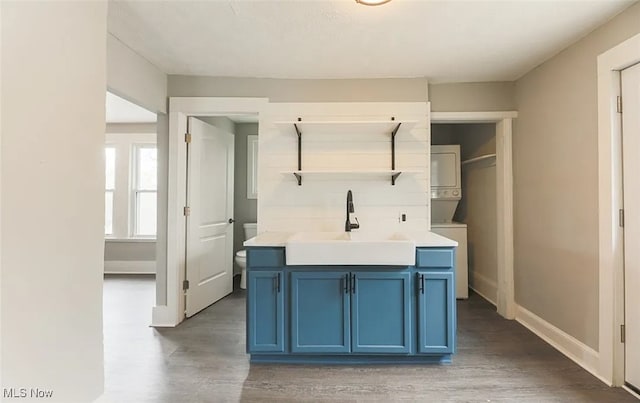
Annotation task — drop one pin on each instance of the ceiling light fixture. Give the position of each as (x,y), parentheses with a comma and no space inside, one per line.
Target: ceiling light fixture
(372,2)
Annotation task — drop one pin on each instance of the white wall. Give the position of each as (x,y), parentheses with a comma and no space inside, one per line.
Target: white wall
(472,97)
(319,204)
(446,97)
(555,148)
(132,77)
(298,90)
(161,235)
(53,109)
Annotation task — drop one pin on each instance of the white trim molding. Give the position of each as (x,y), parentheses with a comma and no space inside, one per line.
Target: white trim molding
(129,267)
(252,166)
(568,345)
(610,242)
(162,316)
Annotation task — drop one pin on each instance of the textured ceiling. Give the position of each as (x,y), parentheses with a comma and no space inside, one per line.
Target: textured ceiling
(445,41)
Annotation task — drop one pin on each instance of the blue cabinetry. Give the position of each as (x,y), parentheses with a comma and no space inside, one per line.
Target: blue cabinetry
(436,300)
(436,325)
(381,312)
(320,314)
(356,314)
(266,301)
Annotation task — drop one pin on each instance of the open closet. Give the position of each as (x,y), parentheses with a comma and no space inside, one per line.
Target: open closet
(463,201)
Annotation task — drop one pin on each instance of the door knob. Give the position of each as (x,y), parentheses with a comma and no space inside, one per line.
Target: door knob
(231,220)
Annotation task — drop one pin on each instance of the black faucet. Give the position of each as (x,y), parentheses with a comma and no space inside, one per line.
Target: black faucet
(348,226)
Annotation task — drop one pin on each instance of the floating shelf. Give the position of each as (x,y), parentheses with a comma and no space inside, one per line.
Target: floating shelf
(345,127)
(377,172)
(480,158)
(389,127)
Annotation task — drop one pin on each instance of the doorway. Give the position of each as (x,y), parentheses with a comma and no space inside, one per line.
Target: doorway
(130,217)
(505,302)
(172,311)
(610,202)
(475,217)
(630,220)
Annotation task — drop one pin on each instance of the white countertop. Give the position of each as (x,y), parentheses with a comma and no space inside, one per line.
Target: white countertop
(429,239)
(421,238)
(269,239)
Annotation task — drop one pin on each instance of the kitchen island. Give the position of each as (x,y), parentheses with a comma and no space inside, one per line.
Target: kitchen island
(351,313)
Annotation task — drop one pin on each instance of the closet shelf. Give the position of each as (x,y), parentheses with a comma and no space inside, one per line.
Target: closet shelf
(480,158)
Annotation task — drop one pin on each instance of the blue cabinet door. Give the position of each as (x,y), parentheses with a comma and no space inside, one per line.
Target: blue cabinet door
(381,312)
(265,311)
(320,321)
(436,313)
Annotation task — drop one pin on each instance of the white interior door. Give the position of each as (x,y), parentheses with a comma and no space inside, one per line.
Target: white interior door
(631,167)
(209,230)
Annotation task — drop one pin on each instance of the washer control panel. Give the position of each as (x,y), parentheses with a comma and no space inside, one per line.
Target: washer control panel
(447,194)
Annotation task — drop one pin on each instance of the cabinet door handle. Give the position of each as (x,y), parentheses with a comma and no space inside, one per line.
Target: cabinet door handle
(353,283)
(422,283)
(346,283)
(278,282)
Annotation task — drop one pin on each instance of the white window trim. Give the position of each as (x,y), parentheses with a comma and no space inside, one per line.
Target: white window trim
(123,215)
(112,190)
(134,190)
(252,166)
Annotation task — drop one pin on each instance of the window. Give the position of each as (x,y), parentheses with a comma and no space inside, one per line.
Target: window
(145,186)
(131,165)
(110,184)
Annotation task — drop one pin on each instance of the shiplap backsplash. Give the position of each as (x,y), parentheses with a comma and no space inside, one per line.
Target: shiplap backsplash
(319,204)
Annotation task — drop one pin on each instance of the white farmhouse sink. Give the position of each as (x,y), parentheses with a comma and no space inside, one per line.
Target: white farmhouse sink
(355,248)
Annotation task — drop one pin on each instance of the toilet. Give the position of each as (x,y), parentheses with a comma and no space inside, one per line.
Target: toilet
(250,230)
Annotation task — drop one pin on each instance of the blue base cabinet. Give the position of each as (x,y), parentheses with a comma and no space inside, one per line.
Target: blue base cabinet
(351,314)
(436,301)
(320,314)
(265,304)
(381,312)
(436,327)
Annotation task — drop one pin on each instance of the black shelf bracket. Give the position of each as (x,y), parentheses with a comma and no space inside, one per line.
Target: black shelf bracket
(394,177)
(393,151)
(299,133)
(298,177)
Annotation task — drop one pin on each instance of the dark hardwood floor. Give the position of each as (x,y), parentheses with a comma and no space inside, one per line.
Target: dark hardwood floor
(204,360)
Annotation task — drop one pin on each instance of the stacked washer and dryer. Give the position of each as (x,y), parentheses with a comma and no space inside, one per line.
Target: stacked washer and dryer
(446,193)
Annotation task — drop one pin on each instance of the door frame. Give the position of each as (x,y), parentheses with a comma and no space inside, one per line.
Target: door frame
(180,108)
(610,235)
(506,305)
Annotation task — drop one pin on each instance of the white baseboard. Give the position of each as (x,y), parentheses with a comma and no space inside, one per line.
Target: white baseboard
(161,317)
(130,267)
(631,391)
(483,286)
(568,345)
